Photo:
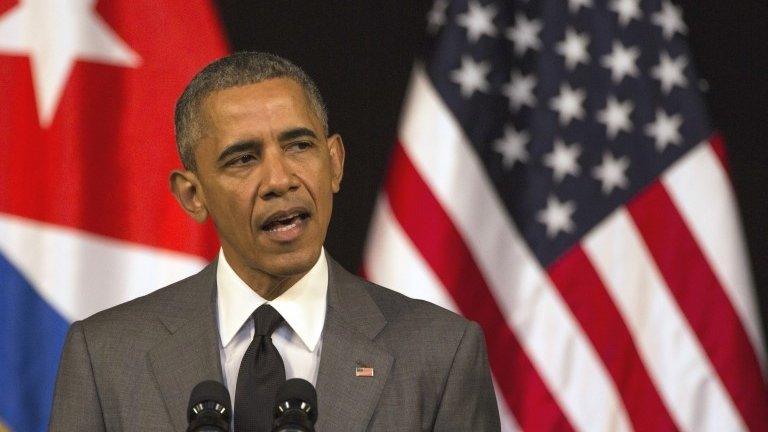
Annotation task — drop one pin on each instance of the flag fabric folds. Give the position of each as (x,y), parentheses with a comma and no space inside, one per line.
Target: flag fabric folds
(86,143)
(557,181)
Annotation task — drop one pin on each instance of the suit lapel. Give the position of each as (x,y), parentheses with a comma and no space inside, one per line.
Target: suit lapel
(347,401)
(190,353)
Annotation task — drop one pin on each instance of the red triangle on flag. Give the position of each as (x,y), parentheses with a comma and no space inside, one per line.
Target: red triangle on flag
(86,123)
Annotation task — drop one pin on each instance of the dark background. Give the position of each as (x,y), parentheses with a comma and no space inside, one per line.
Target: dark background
(360,53)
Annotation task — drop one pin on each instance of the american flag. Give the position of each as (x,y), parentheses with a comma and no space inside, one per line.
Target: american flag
(557,181)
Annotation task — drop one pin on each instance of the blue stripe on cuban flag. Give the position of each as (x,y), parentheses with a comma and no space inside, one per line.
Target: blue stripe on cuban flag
(31,335)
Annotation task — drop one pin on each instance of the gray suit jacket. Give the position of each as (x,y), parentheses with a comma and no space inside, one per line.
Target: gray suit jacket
(132,367)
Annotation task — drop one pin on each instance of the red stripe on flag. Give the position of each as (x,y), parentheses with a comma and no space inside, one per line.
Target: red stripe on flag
(586,295)
(703,301)
(718,146)
(440,243)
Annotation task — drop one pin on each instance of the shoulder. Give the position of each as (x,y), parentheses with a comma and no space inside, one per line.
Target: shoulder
(418,324)
(354,292)
(397,307)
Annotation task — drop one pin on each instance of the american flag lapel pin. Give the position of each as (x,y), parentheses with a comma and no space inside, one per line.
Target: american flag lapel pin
(363,370)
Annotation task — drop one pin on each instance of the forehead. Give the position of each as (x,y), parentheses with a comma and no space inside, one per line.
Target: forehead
(265,103)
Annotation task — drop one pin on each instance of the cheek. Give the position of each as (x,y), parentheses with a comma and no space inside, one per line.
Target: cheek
(325,202)
(231,204)
(323,191)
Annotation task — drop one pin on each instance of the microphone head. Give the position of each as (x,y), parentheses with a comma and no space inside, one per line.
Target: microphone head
(299,394)
(207,396)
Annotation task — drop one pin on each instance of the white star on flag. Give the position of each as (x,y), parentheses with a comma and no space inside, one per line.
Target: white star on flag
(615,116)
(612,173)
(54,34)
(670,72)
(575,5)
(574,48)
(436,16)
(512,146)
(471,76)
(478,21)
(557,216)
(622,62)
(670,19)
(665,129)
(627,10)
(519,90)
(525,34)
(563,160)
(569,104)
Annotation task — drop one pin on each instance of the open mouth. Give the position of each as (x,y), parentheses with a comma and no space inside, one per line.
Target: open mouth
(284,221)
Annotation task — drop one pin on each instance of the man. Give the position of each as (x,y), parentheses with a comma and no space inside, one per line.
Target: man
(253,137)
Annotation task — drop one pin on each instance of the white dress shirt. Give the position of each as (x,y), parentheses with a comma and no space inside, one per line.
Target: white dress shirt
(298,339)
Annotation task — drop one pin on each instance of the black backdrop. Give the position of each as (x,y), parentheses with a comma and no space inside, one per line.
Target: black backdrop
(360,53)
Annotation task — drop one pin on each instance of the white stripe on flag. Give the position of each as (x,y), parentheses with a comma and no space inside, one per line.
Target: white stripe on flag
(79,273)
(692,183)
(676,362)
(531,306)
(391,260)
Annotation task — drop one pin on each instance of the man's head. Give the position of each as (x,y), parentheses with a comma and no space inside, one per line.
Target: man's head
(235,70)
(252,133)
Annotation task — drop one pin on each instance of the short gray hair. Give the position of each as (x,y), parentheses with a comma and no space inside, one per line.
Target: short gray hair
(239,69)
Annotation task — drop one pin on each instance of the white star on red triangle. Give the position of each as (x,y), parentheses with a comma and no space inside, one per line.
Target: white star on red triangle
(54,33)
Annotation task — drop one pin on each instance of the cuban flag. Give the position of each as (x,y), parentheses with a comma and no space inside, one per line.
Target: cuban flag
(86,144)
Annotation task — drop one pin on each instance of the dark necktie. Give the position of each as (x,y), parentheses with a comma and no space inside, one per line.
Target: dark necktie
(261,374)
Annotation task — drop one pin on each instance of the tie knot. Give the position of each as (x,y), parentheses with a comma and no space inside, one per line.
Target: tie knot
(266,319)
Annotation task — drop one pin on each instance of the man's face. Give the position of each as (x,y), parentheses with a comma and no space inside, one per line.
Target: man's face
(267,174)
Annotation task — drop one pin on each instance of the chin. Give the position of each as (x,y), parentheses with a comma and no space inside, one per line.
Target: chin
(294,262)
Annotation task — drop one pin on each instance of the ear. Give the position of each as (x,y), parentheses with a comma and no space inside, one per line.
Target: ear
(189,194)
(336,148)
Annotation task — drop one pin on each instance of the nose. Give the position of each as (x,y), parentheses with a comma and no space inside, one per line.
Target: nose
(278,176)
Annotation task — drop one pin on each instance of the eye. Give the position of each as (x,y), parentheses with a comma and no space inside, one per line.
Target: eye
(299,146)
(241,159)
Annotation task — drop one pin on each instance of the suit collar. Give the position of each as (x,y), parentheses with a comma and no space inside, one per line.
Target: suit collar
(190,352)
(353,320)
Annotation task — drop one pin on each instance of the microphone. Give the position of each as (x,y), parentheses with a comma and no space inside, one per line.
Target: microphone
(209,408)
(296,409)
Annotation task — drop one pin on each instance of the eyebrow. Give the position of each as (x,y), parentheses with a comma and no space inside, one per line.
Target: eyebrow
(296,133)
(238,147)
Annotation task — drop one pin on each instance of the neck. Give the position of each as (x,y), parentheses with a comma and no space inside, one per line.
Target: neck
(268,286)
(273,287)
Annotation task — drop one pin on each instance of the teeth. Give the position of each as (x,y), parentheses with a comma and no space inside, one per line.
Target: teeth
(283,227)
(283,224)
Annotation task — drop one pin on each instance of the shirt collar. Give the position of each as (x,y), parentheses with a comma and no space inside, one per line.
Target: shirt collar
(302,305)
